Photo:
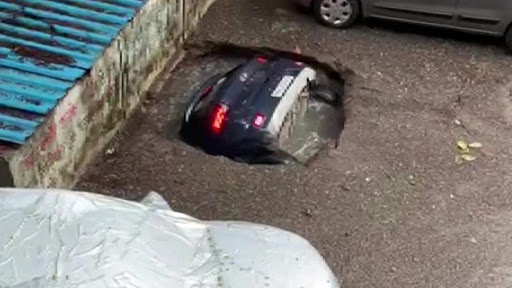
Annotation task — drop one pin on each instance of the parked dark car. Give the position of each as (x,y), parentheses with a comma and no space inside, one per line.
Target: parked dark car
(245,113)
(489,17)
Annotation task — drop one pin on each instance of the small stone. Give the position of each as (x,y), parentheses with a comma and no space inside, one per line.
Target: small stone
(307,212)
(457,122)
(473,240)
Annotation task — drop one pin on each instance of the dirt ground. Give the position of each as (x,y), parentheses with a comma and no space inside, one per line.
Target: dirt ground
(391,207)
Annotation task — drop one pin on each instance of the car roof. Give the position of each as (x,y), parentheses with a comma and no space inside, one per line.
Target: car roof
(251,84)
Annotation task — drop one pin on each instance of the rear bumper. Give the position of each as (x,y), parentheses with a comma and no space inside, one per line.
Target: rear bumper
(304,3)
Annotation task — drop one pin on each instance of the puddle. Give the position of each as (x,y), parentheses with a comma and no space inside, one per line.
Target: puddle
(312,125)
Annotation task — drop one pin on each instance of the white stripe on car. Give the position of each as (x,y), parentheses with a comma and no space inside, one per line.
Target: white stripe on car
(289,98)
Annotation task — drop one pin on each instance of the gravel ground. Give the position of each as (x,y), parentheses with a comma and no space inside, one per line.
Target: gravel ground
(390,207)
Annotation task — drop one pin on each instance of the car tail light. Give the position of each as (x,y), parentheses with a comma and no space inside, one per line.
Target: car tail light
(219,118)
(262,60)
(259,120)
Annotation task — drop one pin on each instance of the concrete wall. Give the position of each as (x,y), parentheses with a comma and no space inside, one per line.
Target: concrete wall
(96,107)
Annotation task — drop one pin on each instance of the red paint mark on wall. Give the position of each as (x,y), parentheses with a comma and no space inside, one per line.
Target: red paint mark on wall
(68,115)
(49,138)
(28,162)
(48,154)
(55,155)
(47,159)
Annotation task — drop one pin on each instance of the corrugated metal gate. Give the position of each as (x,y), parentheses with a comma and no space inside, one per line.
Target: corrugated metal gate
(45,46)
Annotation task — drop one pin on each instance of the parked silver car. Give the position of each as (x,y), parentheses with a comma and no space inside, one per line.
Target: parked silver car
(61,239)
(489,17)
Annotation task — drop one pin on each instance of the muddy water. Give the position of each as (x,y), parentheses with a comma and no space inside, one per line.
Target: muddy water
(318,128)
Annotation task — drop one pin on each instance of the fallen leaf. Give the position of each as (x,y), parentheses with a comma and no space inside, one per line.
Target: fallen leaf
(476,145)
(468,158)
(462,145)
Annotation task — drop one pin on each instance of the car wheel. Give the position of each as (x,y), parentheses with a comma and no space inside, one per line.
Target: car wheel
(508,38)
(336,13)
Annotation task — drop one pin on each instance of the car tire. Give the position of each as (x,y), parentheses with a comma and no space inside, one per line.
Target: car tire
(508,38)
(346,12)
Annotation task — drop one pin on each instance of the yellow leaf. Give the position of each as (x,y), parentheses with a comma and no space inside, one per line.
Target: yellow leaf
(465,151)
(476,145)
(462,145)
(468,158)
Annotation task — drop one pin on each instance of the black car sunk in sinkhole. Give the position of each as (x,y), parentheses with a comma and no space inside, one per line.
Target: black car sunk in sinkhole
(267,110)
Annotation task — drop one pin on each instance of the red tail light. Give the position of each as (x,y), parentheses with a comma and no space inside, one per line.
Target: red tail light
(219,118)
(262,60)
(259,120)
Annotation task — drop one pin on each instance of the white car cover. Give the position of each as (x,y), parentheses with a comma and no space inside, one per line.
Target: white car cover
(56,238)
